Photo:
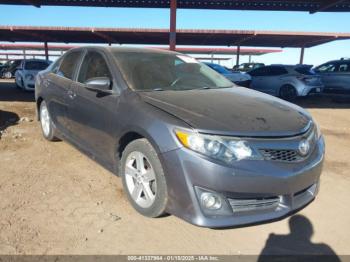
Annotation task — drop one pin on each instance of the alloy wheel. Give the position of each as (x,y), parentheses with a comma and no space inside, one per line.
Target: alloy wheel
(140,179)
(45,120)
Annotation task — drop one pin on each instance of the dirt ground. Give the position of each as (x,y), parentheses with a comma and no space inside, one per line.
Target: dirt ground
(55,200)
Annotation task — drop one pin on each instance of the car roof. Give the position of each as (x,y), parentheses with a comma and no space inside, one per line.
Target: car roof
(123,49)
(35,60)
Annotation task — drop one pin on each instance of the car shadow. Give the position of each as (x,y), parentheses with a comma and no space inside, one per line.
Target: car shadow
(297,245)
(9,92)
(324,101)
(7,119)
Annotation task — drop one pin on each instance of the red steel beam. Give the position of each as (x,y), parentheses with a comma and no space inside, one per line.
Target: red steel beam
(172,36)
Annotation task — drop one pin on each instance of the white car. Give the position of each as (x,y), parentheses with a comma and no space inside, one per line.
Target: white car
(27,71)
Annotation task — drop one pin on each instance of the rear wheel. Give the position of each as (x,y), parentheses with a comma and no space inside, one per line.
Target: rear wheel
(47,127)
(143,178)
(288,92)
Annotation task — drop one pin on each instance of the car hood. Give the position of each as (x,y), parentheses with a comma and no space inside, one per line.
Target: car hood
(234,111)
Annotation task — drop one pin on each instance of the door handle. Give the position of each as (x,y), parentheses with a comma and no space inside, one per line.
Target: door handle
(71,94)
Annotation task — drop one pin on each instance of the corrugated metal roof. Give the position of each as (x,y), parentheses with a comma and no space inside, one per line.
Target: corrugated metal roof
(161,36)
(276,5)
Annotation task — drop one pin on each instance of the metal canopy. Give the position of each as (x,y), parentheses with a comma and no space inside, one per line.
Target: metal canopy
(161,36)
(311,6)
(227,51)
(187,50)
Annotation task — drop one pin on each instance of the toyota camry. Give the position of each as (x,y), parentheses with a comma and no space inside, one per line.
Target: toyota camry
(184,140)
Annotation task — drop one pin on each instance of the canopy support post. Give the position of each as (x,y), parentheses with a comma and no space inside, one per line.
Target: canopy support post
(172,36)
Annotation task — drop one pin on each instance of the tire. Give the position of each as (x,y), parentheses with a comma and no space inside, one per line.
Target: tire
(47,127)
(22,87)
(144,183)
(288,92)
(17,85)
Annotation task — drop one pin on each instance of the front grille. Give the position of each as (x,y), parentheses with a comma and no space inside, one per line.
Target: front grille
(281,155)
(239,205)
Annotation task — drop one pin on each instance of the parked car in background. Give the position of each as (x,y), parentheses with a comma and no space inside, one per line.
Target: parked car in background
(27,71)
(286,81)
(184,139)
(4,68)
(10,68)
(245,67)
(335,76)
(238,78)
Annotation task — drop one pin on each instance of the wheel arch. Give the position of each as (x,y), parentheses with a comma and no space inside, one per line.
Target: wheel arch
(132,134)
(39,100)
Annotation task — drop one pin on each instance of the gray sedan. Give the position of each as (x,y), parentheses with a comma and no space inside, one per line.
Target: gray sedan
(183,138)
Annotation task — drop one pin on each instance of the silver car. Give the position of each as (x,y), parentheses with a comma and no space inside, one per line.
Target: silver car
(335,75)
(286,81)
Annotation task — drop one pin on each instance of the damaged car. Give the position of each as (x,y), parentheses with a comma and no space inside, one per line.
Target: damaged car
(184,139)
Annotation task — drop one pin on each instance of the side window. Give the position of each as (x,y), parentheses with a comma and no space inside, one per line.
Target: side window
(56,65)
(94,65)
(68,65)
(262,71)
(277,71)
(344,67)
(329,67)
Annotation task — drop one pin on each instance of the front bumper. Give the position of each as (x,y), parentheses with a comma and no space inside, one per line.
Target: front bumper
(29,85)
(308,90)
(294,185)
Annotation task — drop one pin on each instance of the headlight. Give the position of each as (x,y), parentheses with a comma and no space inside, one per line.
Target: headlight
(226,149)
(29,77)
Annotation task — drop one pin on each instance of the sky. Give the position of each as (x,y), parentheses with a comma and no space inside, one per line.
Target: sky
(197,19)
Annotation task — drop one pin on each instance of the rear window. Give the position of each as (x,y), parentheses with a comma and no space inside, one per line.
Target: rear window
(304,70)
(35,65)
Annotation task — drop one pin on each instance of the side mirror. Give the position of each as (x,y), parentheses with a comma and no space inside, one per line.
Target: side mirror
(99,84)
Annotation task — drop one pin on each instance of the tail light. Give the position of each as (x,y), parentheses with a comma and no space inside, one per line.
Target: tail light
(307,79)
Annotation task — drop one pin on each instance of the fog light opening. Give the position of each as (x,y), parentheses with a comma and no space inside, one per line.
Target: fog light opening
(210,201)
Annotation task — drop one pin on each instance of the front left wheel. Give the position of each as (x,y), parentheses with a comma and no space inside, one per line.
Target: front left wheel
(47,127)
(143,178)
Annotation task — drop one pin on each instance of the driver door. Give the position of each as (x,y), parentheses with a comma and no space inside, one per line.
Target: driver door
(92,114)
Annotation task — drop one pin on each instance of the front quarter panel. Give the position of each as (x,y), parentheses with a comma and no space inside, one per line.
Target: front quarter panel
(157,126)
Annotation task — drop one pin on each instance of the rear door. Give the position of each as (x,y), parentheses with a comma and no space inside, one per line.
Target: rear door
(92,114)
(59,81)
(268,79)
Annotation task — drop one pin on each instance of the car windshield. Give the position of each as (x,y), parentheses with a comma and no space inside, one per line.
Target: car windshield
(35,65)
(146,71)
